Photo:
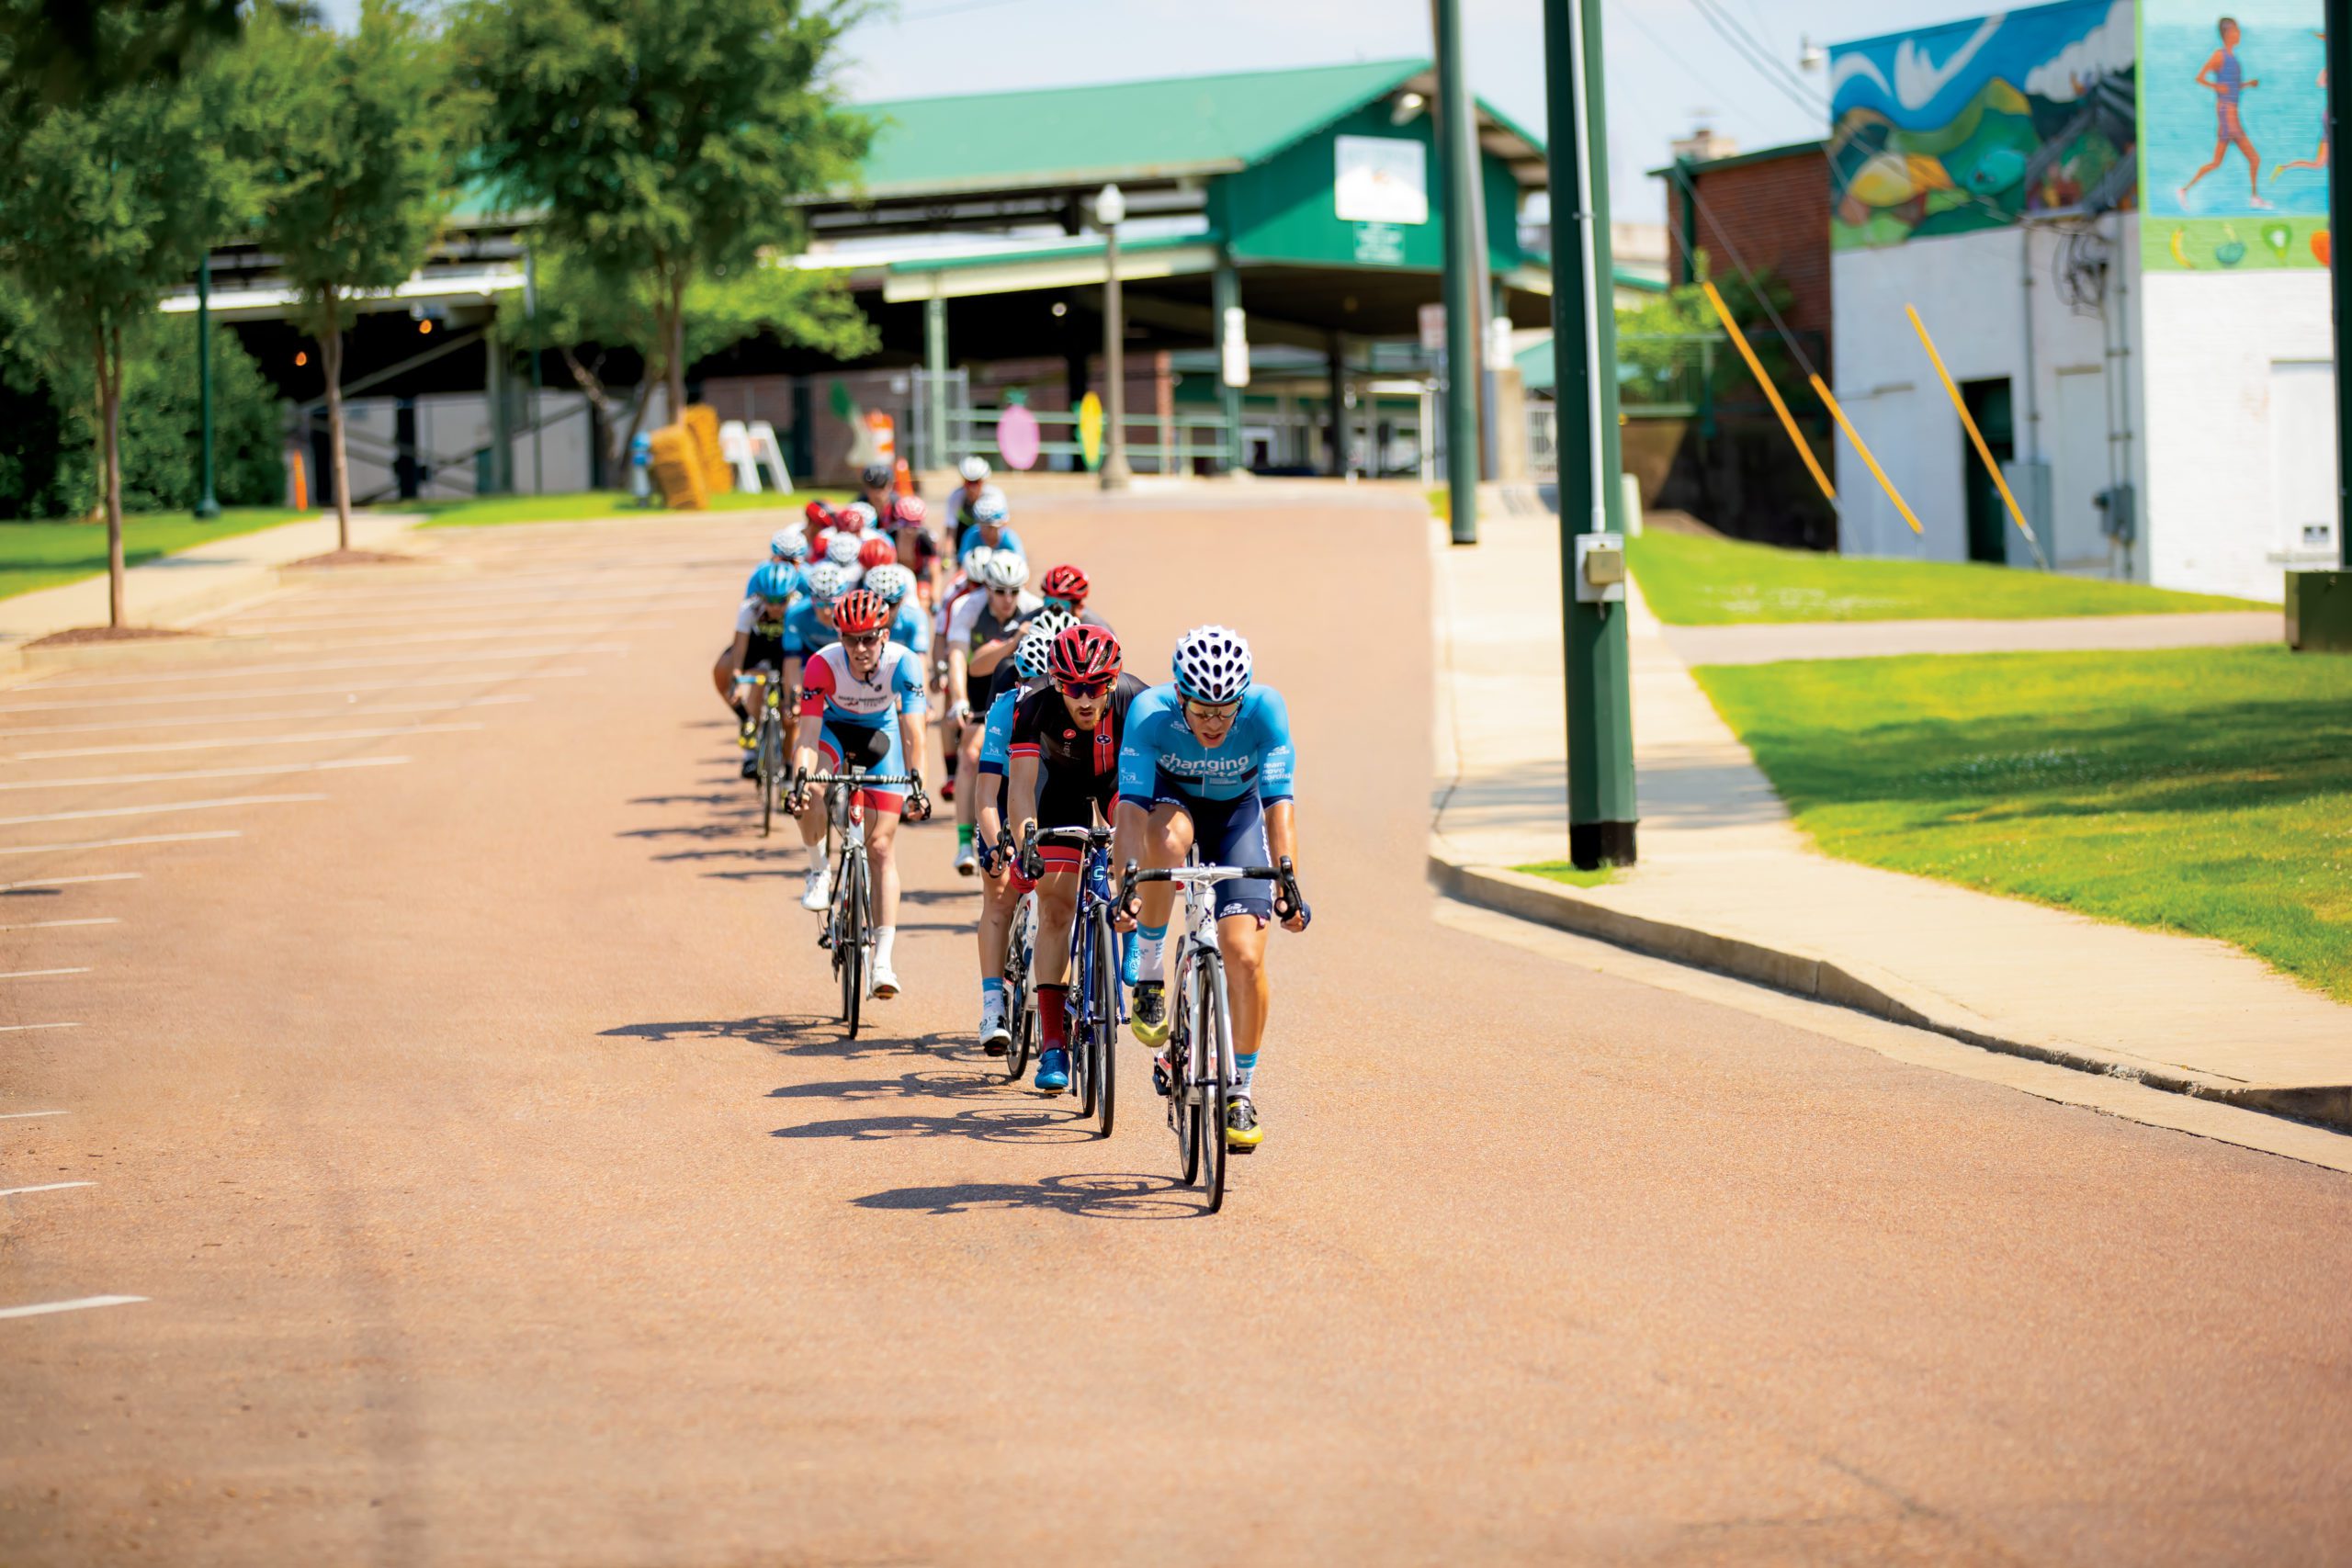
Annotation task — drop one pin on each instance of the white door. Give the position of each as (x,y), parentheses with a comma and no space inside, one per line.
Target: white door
(2078,472)
(2303,457)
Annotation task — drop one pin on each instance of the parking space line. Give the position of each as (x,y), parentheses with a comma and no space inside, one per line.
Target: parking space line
(29,1028)
(114,844)
(149,810)
(70,881)
(27,1115)
(37,973)
(191,775)
(501,633)
(52,925)
(304,737)
(228,672)
(181,699)
(38,1309)
(616,605)
(44,1187)
(281,716)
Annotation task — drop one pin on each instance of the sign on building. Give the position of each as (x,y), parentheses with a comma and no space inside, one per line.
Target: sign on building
(1381,179)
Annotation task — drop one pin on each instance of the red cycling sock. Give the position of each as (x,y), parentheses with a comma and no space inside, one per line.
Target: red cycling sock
(1053,1015)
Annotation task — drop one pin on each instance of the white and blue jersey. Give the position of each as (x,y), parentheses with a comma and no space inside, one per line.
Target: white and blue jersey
(996,736)
(1159,751)
(861,714)
(1007,540)
(910,626)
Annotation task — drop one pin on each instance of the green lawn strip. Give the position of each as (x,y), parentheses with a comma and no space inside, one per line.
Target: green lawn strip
(2204,791)
(588,505)
(42,555)
(1693,580)
(1562,871)
(1441,503)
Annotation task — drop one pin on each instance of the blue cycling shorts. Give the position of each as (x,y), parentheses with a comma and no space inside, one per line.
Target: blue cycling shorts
(1226,832)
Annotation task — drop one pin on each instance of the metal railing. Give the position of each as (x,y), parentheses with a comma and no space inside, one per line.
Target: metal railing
(1197,437)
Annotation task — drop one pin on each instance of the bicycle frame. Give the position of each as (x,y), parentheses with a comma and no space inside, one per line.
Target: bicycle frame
(1089,1030)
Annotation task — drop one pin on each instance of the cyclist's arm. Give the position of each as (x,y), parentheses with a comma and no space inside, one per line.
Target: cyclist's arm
(1020,793)
(812,715)
(1282,830)
(912,711)
(735,653)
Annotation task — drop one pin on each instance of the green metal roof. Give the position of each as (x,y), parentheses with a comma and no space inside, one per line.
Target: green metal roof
(1066,136)
(1083,246)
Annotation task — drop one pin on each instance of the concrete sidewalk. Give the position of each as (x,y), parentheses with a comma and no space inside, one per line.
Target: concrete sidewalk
(170,589)
(1726,880)
(1768,643)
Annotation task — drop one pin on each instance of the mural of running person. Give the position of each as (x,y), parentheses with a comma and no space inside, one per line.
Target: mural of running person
(2223,76)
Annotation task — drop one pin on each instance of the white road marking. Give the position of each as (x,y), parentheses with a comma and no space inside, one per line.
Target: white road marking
(94,876)
(27,1115)
(145,811)
(233,671)
(52,925)
(29,1028)
(353,709)
(182,699)
(115,844)
(188,775)
(502,634)
(618,603)
(76,1304)
(37,973)
(44,1187)
(300,738)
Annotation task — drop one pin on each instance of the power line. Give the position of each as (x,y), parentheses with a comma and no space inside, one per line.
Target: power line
(1759,59)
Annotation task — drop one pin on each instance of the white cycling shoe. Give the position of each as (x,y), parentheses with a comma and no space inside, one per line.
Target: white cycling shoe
(995,1034)
(885,982)
(968,860)
(818,889)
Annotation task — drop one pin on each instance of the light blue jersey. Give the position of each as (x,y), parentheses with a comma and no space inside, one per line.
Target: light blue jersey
(1008,540)
(1159,749)
(910,628)
(804,634)
(996,738)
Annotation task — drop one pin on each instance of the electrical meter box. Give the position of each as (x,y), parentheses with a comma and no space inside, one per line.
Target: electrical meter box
(1601,569)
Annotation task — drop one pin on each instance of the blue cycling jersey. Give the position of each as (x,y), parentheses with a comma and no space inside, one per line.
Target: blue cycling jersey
(1008,540)
(995,739)
(1256,755)
(804,634)
(911,627)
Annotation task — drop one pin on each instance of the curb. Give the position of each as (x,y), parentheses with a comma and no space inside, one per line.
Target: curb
(1547,903)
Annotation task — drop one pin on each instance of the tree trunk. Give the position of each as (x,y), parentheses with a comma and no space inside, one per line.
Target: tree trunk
(110,468)
(675,343)
(330,360)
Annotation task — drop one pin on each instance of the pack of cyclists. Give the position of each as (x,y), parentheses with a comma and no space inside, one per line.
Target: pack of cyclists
(874,629)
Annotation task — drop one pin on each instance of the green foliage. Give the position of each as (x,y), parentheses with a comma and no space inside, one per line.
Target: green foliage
(2200,791)
(1659,354)
(66,53)
(34,555)
(1698,581)
(666,142)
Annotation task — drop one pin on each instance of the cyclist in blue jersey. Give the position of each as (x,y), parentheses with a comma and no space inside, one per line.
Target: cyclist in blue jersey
(809,625)
(1001,885)
(758,644)
(909,628)
(1206,761)
(991,526)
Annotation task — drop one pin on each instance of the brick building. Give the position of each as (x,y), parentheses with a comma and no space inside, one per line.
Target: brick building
(1772,208)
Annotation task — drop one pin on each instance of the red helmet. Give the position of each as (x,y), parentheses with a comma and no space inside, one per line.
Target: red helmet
(820,515)
(1067,583)
(1082,656)
(860,610)
(878,552)
(911,511)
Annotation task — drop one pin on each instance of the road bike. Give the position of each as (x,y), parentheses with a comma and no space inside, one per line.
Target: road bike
(848,930)
(1200,1040)
(1096,1007)
(767,744)
(1019,996)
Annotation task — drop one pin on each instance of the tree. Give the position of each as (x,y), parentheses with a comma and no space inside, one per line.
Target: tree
(358,136)
(666,141)
(102,207)
(585,322)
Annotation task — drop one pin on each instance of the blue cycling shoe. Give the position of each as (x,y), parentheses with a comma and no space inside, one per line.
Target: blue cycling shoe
(1130,960)
(1052,1071)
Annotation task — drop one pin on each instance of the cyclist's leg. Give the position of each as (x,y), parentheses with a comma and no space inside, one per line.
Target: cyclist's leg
(883,805)
(1233,832)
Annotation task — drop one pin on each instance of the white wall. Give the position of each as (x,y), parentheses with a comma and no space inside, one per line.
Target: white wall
(2217,499)
(1968,291)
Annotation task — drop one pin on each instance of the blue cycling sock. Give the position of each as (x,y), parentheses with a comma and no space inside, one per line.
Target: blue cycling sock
(1245,1069)
(991,986)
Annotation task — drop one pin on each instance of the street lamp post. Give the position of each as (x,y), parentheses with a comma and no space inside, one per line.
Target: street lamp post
(207,506)
(1110,211)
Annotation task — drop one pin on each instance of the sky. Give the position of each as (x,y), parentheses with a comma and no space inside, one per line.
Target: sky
(1668,65)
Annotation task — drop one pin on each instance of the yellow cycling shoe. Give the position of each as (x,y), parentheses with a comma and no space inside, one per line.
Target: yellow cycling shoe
(1149,1014)
(1242,1132)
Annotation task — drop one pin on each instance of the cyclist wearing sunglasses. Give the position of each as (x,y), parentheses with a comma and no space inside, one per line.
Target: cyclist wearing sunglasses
(981,630)
(1208,760)
(1065,752)
(862,703)
(991,526)
(1002,883)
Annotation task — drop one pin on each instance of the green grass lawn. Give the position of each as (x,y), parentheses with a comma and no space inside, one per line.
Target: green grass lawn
(586,505)
(43,555)
(2202,791)
(1691,580)
(1566,871)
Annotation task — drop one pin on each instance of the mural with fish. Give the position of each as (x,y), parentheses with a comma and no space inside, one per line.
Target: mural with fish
(1973,124)
(2234,96)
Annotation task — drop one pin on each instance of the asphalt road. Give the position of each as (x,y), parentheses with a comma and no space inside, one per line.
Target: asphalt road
(500,1190)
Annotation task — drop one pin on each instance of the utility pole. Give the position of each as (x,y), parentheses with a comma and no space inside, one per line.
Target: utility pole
(207,506)
(1601,812)
(1111,211)
(1465,270)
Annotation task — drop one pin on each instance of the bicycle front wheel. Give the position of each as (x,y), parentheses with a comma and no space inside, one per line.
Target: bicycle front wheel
(850,935)
(1183,1104)
(1017,991)
(1216,1057)
(1105,1043)
(771,764)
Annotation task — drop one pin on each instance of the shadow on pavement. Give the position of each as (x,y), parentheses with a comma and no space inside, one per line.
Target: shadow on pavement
(937,1083)
(996,1124)
(1096,1197)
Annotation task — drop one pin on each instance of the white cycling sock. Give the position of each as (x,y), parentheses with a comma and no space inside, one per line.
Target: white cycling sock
(817,857)
(1245,1071)
(1151,953)
(884,936)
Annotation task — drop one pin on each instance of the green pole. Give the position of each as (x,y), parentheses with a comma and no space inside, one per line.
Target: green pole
(207,506)
(935,365)
(2338,53)
(1465,270)
(1584,335)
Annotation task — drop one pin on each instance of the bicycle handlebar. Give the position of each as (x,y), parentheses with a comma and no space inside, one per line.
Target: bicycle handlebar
(861,778)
